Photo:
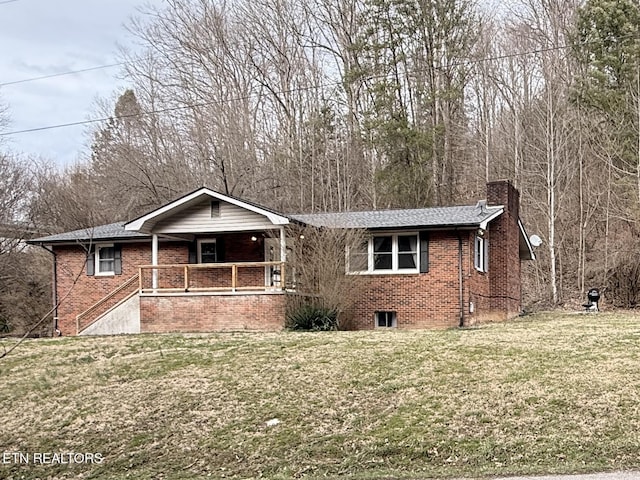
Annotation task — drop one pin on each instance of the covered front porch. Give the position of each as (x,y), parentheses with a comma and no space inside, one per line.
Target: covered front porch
(217,263)
(252,260)
(207,242)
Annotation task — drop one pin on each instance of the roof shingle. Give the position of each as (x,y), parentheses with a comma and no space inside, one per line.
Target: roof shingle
(438,217)
(112,231)
(419,217)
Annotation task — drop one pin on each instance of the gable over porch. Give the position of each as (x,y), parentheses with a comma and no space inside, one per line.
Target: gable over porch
(231,245)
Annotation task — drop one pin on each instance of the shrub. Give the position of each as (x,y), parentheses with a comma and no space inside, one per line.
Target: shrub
(312,317)
(5,326)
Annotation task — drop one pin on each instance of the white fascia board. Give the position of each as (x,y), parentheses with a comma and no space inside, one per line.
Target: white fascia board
(138,223)
(524,235)
(493,216)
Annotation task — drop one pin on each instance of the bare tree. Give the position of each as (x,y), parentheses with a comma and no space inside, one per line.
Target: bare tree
(318,261)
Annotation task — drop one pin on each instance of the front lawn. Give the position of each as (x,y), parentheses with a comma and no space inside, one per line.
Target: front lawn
(545,393)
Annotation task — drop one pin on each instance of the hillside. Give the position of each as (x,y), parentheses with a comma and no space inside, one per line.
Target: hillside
(546,393)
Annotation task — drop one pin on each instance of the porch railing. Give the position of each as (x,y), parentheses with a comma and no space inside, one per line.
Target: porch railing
(213,277)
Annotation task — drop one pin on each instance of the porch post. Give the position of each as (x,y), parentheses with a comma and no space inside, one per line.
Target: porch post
(283,257)
(154,260)
(283,245)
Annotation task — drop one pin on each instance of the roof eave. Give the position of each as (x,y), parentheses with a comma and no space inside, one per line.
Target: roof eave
(529,254)
(80,241)
(484,223)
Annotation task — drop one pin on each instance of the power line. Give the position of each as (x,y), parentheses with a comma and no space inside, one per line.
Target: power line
(8,1)
(70,72)
(246,97)
(158,111)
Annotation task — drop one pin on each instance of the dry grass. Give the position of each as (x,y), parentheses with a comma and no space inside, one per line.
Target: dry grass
(548,393)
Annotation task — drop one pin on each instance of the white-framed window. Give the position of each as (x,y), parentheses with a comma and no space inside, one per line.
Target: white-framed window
(105,258)
(386,320)
(481,254)
(385,253)
(207,250)
(358,257)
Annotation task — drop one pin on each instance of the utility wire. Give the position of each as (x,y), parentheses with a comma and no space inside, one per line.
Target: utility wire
(161,110)
(70,72)
(247,97)
(8,1)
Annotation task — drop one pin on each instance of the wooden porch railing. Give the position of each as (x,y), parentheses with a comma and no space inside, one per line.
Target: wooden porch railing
(212,277)
(110,300)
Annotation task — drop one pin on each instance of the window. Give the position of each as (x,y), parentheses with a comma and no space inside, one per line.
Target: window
(359,257)
(389,253)
(105,259)
(385,319)
(383,253)
(207,252)
(407,252)
(481,254)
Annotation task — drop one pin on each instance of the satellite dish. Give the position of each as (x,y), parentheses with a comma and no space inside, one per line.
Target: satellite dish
(535,240)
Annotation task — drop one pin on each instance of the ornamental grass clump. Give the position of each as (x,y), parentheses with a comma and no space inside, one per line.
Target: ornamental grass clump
(312,318)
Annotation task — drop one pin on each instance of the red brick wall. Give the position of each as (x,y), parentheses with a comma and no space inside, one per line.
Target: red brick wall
(478,286)
(432,299)
(240,248)
(504,259)
(428,300)
(208,313)
(89,289)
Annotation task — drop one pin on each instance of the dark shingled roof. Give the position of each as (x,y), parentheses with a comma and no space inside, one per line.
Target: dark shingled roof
(419,217)
(112,231)
(438,217)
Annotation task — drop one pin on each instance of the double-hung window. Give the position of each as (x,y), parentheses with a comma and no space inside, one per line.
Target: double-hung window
(207,251)
(105,258)
(383,253)
(386,253)
(481,254)
(407,252)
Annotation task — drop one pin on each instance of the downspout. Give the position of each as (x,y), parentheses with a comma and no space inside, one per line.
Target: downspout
(460,280)
(54,288)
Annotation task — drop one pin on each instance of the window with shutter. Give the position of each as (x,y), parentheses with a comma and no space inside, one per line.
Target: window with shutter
(107,259)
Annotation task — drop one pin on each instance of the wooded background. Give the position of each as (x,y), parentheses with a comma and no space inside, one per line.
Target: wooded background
(331,105)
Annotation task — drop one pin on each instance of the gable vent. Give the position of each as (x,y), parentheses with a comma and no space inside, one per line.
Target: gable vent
(215,209)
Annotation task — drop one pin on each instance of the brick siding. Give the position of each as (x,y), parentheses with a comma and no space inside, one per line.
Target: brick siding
(432,300)
(504,261)
(425,300)
(208,313)
(87,290)
(429,300)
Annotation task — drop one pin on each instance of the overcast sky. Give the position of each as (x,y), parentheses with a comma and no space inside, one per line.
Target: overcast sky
(43,37)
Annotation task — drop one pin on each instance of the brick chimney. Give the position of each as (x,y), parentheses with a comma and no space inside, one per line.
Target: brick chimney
(504,258)
(502,192)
